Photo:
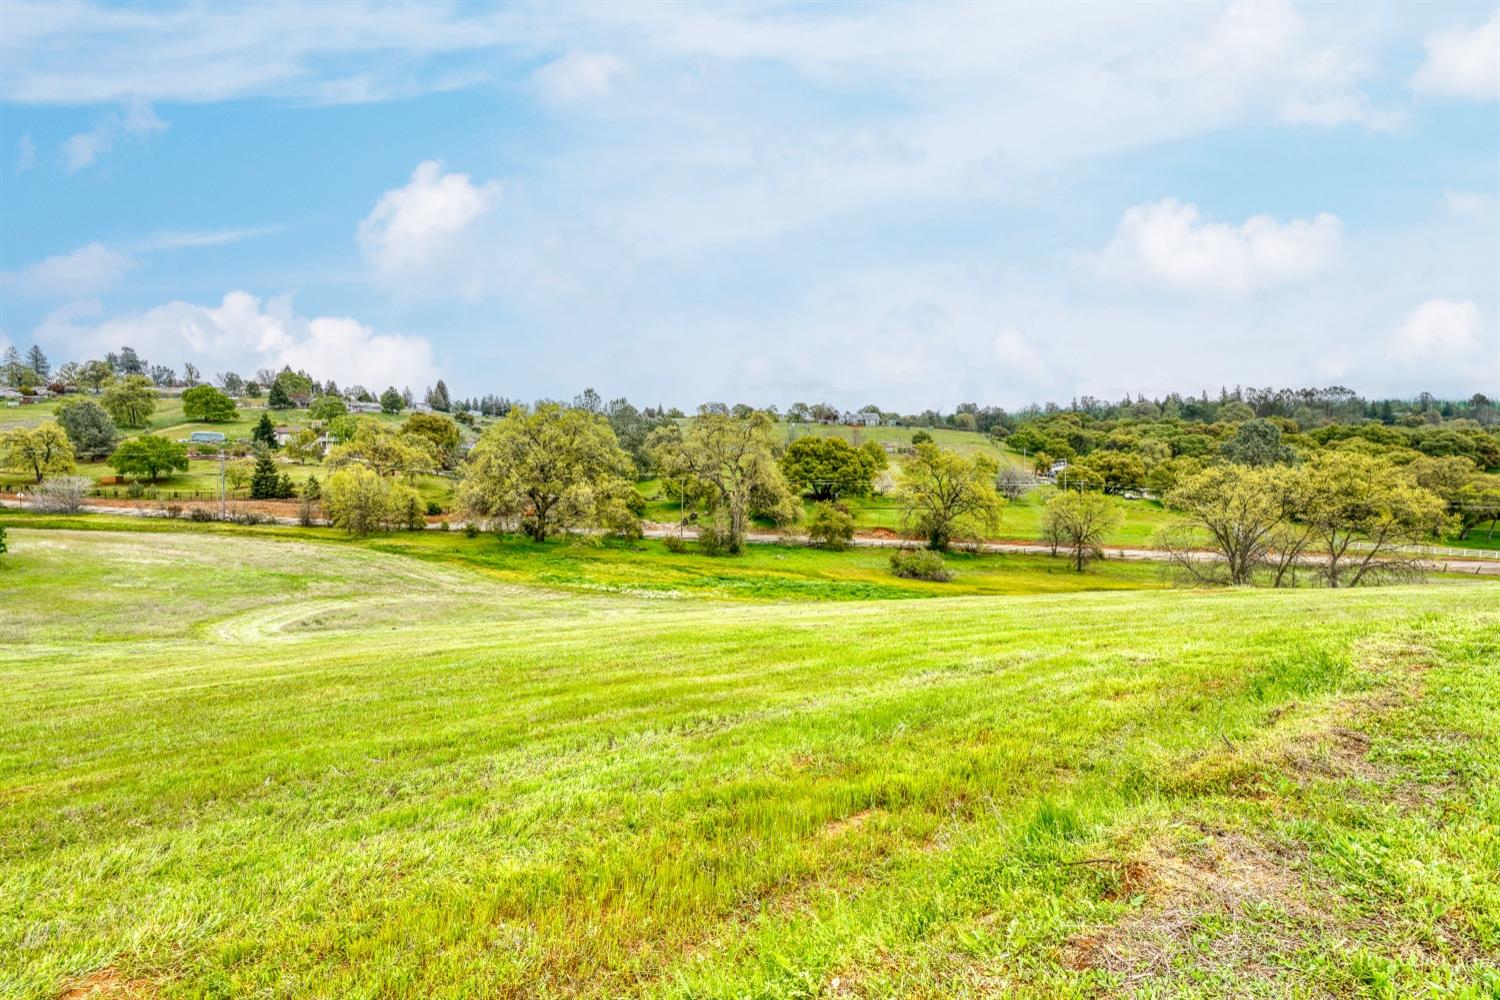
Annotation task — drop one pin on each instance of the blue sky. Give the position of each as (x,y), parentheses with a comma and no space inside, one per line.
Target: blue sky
(912,205)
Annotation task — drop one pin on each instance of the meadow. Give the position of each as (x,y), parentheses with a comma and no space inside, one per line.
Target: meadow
(275,762)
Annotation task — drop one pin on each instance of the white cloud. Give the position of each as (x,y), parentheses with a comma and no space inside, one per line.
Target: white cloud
(579,76)
(418,229)
(1014,351)
(1463,62)
(178,239)
(1466,203)
(135,120)
(86,271)
(1437,330)
(26,154)
(240,333)
(1169,243)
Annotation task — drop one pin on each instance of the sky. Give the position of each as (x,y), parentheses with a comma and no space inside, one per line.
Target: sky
(911,205)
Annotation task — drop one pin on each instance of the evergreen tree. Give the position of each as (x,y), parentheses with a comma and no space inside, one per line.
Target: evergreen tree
(278,399)
(265,483)
(264,434)
(39,363)
(285,488)
(310,489)
(437,397)
(390,400)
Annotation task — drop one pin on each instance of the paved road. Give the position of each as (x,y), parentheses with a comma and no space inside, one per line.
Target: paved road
(1478,566)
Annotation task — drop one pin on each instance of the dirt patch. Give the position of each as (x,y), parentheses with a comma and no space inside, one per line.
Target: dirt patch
(107,984)
(839,827)
(1221,875)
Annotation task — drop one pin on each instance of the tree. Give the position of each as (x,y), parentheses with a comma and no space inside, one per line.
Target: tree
(127,362)
(95,375)
(828,467)
(190,373)
(204,402)
(359,501)
(1118,470)
(277,398)
(130,400)
(264,434)
(1257,442)
(390,400)
(296,387)
(633,429)
(385,450)
(238,473)
(327,407)
(730,465)
(12,368)
(265,482)
(231,383)
(41,450)
(88,427)
(37,362)
(830,526)
(945,495)
(548,470)
(1237,509)
(149,456)
(437,397)
(304,446)
(1013,483)
(1362,511)
(1079,522)
(440,432)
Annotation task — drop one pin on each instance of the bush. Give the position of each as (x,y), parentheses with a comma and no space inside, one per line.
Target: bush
(471,530)
(830,526)
(61,494)
(920,564)
(714,537)
(434,508)
(674,543)
(136,489)
(202,514)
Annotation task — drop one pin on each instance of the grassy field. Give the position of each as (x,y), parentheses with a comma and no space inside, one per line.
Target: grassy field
(279,764)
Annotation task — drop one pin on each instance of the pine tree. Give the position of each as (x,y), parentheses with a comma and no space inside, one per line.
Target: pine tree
(265,484)
(38,362)
(310,489)
(277,399)
(264,434)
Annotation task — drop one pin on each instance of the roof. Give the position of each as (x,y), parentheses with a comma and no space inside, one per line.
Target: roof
(215,436)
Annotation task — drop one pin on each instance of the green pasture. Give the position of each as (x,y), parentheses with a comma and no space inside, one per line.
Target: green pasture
(276,763)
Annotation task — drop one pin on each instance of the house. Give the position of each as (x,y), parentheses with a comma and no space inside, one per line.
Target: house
(1057,467)
(864,418)
(361,406)
(285,434)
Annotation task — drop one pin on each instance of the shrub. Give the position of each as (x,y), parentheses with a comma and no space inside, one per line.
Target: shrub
(2,538)
(715,537)
(202,514)
(136,489)
(61,494)
(434,508)
(675,543)
(471,530)
(830,526)
(920,564)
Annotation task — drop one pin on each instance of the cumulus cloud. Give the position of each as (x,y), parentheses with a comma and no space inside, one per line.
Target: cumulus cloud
(416,229)
(135,119)
(579,76)
(1169,243)
(243,333)
(1015,352)
(1463,62)
(1436,330)
(86,271)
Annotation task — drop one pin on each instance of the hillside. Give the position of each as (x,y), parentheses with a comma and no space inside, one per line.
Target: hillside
(274,763)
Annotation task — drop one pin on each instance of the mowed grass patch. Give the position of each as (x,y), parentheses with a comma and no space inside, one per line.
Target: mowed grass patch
(449,785)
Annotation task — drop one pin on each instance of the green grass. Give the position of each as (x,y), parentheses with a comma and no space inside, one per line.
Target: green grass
(269,763)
